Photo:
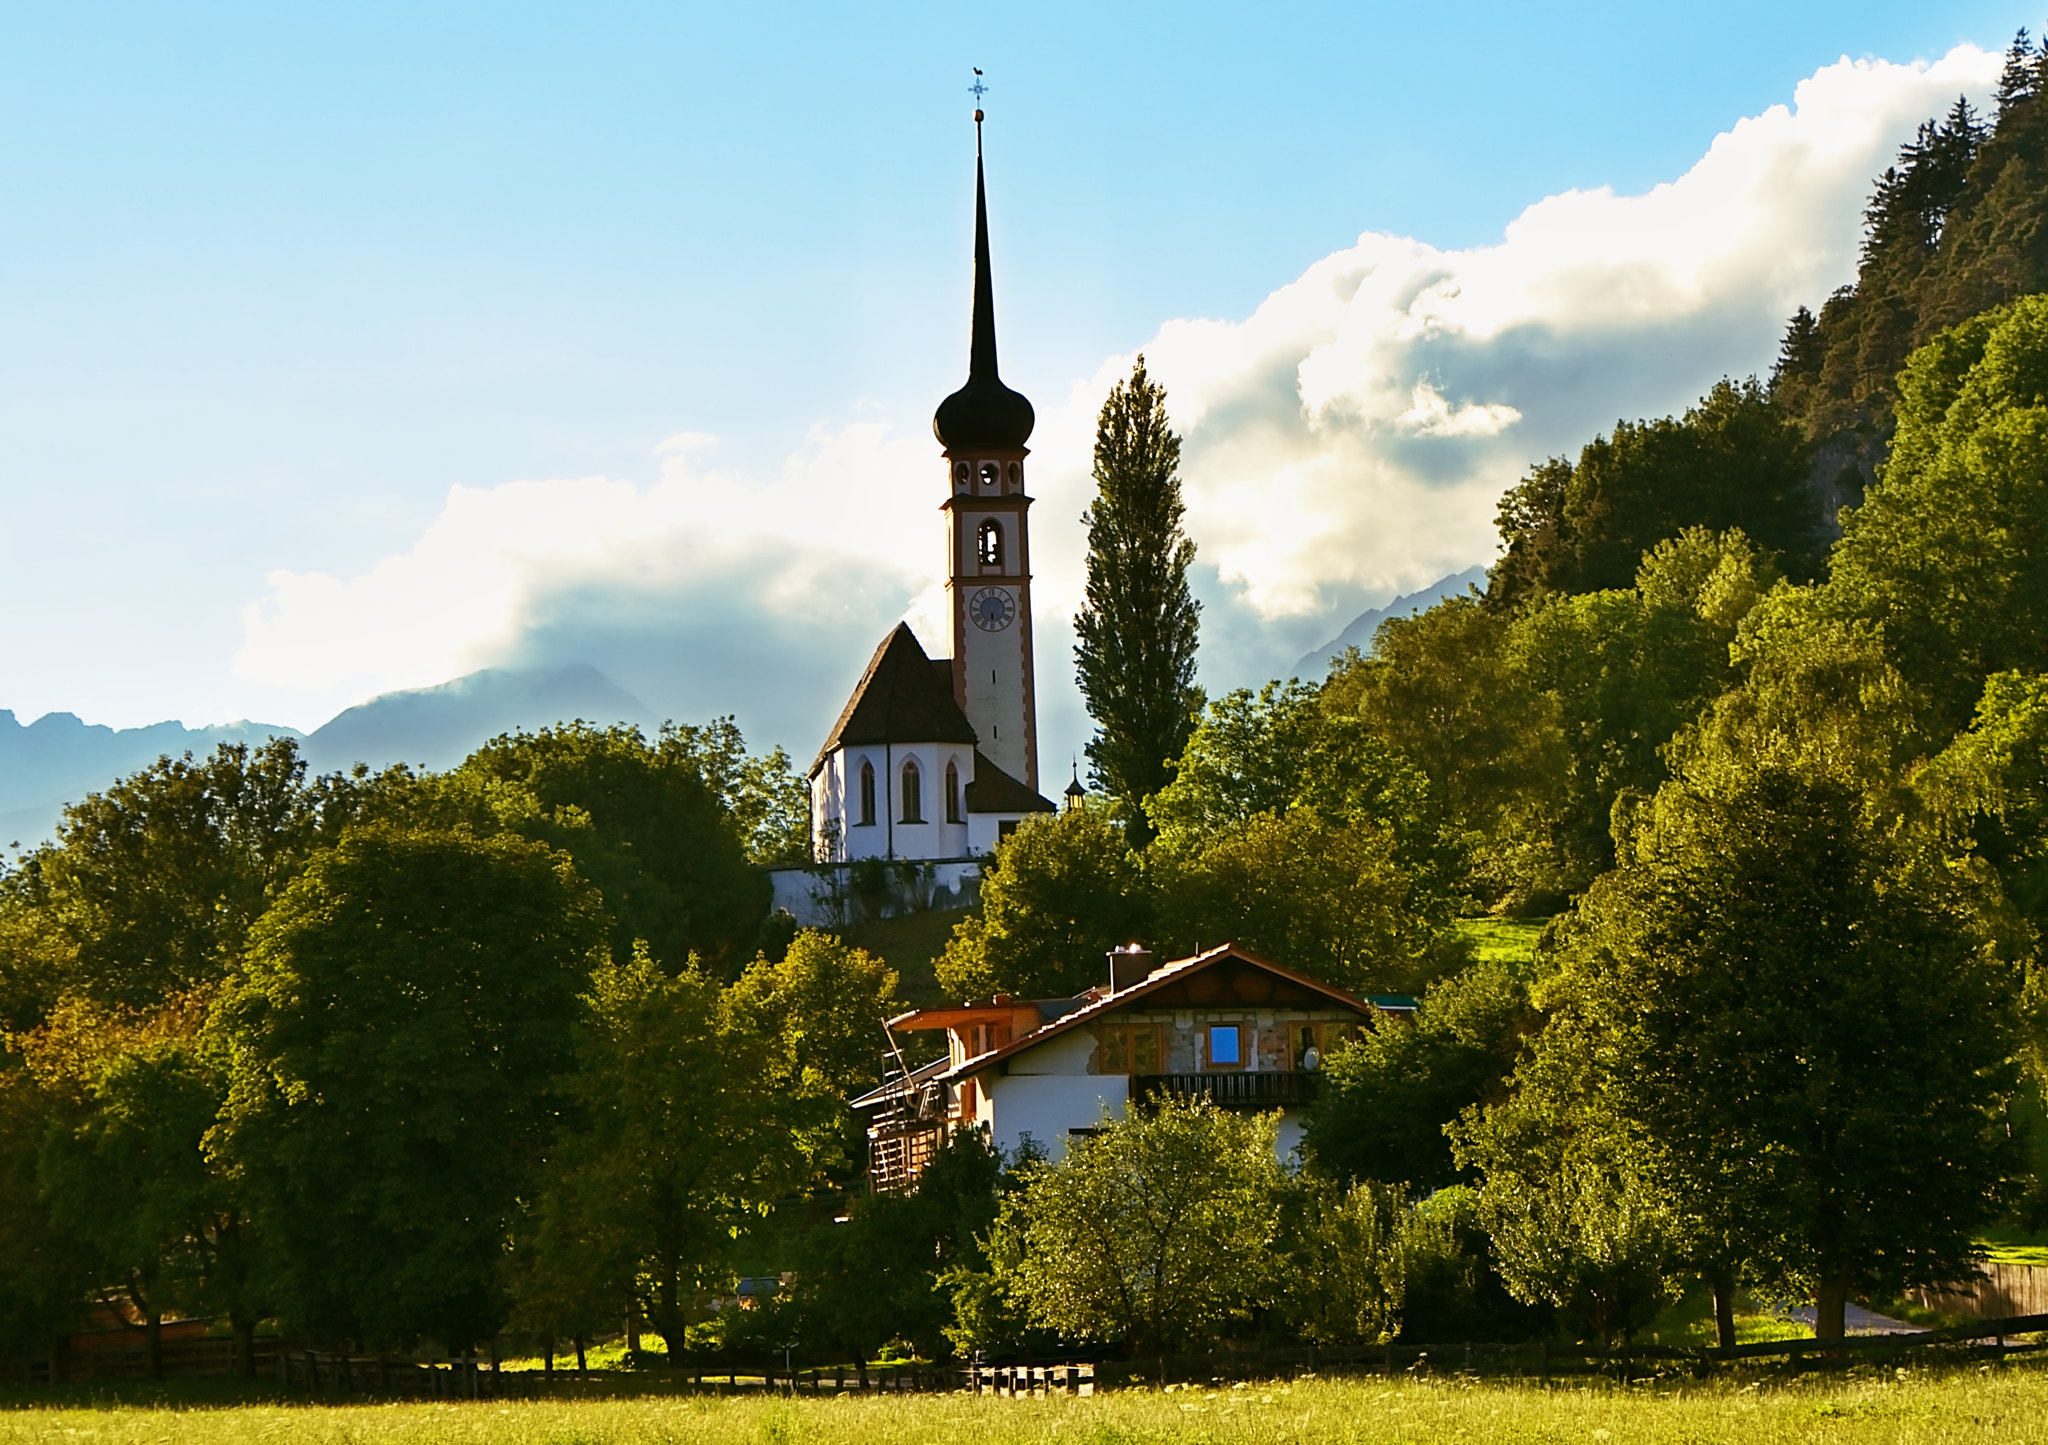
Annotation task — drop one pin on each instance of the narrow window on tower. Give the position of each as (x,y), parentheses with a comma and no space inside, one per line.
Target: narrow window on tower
(989,543)
(989,473)
(867,793)
(952,792)
(913,792)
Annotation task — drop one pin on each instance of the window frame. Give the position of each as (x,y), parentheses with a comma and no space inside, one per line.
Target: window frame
(910,790)
(989,542)
(1209,1061)
(1117,1048)
(867,794)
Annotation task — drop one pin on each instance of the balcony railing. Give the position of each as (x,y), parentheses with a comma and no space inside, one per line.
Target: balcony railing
(1276,1090)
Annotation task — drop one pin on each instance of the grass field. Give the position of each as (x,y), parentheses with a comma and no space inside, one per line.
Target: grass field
(1899,1408)
(911,945)
(1503,940)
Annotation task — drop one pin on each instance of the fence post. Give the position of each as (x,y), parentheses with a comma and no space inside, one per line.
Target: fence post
(1543,1360)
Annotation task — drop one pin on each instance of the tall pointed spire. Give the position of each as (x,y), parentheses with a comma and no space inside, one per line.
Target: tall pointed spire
(983,413)
(981,359)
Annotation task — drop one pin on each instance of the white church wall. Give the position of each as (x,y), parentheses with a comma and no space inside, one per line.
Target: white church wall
(822,894)
(835,799)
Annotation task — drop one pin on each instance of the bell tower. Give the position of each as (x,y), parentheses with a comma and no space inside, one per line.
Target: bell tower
(983,428)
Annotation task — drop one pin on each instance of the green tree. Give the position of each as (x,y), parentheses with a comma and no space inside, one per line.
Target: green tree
(126,1169)
(1386,1099)
(152,886)
(1626,669)
(1135,637)
(1059,894)
(822,1005)
(1334,902)
(1949,553)
(1789,1003)
(769,803)
(45,1274)
(1735,461)
(1158,1231)
(1444,690)
(400,1037)
(1989,789)
(649,824)
(1286,747)
(1344,1262)
(680,1138)
(877,1277)
(1575,1218)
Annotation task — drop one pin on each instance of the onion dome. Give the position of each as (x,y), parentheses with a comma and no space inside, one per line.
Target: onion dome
(984,414)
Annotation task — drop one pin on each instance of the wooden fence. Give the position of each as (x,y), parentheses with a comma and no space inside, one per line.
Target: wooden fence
(182,1359)
(1542,1361)
(1015,1380)
(1998,1291)
(316,1371)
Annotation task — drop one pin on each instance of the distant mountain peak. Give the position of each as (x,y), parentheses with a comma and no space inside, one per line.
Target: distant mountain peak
(437,727)
(1316,665)
(59,758)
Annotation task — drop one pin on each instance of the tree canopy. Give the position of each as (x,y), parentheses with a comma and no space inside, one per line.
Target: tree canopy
(1135,637)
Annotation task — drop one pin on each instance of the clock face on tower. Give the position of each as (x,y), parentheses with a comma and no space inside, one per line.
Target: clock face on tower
(992,609)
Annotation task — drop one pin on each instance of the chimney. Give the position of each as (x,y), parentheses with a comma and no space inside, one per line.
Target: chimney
(1128,965)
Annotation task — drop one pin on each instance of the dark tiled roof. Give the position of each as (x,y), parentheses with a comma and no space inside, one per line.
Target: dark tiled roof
(995,791)
(903,697)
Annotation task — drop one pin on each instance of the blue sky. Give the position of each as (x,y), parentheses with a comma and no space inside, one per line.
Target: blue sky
(276,279)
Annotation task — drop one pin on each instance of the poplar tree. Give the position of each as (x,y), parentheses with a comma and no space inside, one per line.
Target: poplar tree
(1136,637)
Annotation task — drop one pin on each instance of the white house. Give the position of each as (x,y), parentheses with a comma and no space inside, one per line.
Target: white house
(1226,1025)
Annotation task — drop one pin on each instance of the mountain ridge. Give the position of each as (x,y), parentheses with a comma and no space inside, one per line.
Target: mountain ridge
(1313,666)
(59,758)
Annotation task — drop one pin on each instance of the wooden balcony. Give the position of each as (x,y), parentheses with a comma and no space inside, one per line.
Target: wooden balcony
(1288,1089)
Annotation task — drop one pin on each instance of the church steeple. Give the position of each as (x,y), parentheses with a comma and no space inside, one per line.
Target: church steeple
(984,413)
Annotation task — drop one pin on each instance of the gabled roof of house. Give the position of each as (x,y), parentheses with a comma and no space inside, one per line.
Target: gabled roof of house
(995,791)
(903,697)
(1223,977)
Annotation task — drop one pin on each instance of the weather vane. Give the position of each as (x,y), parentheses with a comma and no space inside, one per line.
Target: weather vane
(977,90)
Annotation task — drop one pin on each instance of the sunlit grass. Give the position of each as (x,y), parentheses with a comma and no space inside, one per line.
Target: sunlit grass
(1871,1404)
(1511,941)
(2014,1246)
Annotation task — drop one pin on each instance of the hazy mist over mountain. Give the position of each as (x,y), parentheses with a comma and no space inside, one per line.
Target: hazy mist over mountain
(59,758)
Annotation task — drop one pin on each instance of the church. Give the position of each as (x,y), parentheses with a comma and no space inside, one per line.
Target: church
(934,760)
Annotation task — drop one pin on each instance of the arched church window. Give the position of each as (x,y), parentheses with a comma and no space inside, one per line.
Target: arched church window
(952,792)
(867,792)
(989,543)
(913,792)
(990,472)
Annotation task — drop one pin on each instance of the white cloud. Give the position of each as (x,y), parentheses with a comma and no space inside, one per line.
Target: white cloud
(702,559)
(1352,434)
(1346,441)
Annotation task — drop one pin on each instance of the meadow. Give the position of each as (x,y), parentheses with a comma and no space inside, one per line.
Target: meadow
(1899,1407)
